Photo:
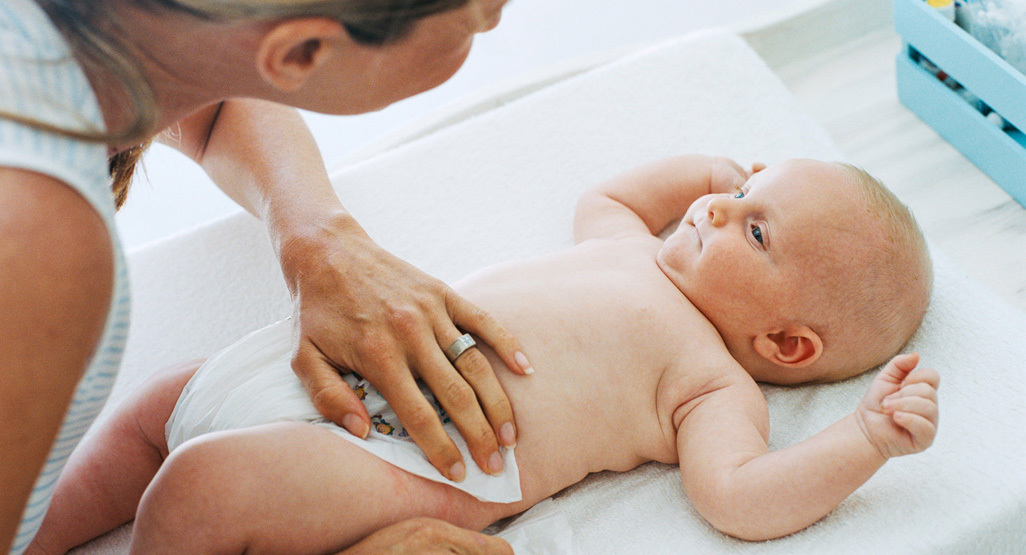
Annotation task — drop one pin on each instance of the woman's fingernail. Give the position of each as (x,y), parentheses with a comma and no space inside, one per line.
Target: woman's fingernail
(508,435)
(523,363)
(495,463)
(456,472)
(355,425)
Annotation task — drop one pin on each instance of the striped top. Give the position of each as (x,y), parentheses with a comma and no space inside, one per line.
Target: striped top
(41,80)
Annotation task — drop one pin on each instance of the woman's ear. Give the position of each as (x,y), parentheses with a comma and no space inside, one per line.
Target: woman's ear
(793,347)
(292,49)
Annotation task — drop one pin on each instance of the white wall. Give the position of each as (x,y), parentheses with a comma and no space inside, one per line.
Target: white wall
(174,194)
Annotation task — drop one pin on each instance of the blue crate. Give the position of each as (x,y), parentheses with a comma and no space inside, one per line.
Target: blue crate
(999,154)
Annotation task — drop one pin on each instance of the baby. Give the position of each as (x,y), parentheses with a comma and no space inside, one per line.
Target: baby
(645,350)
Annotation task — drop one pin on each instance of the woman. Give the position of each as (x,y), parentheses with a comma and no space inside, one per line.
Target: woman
(82,80)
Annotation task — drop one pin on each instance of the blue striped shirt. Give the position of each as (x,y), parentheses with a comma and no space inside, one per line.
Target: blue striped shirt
(40,79)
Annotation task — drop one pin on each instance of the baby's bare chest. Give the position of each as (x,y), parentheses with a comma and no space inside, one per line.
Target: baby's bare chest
(601,329)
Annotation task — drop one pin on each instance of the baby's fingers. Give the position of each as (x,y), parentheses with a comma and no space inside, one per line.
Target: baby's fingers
(899,368)
(922,406)
(921,429)
(918,389)
(927,376)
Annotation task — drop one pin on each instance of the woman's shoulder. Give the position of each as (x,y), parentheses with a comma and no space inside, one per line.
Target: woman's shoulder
(57,256)
(42,210)
(41,82)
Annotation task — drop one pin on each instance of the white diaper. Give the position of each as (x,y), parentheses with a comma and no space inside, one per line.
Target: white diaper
(252,383)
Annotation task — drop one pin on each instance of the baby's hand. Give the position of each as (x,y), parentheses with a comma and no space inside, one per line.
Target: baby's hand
(728,176)
(899,412)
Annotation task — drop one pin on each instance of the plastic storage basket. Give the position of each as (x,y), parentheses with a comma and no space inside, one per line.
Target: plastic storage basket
(1000,153)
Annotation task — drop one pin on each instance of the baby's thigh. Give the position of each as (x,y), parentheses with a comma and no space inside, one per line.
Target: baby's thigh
(281,488)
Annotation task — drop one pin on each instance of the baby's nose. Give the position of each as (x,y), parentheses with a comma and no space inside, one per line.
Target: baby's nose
(720,209)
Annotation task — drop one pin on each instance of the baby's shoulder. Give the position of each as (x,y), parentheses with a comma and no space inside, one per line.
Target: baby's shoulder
(708,372)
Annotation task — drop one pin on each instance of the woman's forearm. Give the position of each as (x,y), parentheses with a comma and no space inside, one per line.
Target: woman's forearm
(263,156)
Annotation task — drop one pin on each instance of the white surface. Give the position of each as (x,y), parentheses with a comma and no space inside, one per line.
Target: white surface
(534,34)
(967,494)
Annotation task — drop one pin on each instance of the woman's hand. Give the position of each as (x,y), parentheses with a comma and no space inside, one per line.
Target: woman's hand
(356,307)
(359,308)
(424,536)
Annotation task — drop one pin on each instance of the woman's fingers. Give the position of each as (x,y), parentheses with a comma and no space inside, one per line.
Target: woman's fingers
(422,423)
(331,395)
(387,370)
(461,402)
(474,368)
(467,316)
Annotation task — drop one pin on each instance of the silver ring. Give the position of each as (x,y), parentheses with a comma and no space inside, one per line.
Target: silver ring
(459,347)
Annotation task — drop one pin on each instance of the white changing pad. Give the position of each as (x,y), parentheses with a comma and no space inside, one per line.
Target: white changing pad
(502,184)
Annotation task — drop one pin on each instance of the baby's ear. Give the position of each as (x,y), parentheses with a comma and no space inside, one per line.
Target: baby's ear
(795,346)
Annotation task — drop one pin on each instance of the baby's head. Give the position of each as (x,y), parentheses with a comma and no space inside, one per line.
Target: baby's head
(814,271)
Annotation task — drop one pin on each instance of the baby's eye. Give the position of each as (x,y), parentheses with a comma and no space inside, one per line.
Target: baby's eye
(739,194)
(757,234)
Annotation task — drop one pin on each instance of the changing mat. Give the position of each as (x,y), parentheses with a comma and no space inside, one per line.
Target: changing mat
(502,183)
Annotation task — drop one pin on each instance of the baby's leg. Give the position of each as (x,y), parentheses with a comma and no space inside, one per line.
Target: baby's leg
(286,488)
(100,487)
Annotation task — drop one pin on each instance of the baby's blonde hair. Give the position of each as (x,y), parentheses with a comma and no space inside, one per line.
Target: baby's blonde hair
(869,303)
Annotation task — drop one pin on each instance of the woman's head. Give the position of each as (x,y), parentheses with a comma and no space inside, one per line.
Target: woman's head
(332,56)
(101,34)
(371,22)
(329,65)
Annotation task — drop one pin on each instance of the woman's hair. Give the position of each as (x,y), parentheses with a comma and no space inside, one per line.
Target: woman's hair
(84,23)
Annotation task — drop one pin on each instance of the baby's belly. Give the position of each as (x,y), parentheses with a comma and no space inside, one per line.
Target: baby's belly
(598,335)
(572,423)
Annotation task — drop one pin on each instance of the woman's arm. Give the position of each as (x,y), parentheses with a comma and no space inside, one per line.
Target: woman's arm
(56,280)
(650,197)
(357,307)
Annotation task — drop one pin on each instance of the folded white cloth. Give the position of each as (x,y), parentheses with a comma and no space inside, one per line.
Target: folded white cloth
(502,185)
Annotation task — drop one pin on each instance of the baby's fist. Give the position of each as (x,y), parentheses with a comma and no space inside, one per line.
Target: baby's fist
(899,412)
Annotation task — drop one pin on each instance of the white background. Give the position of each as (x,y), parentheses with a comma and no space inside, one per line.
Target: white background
(174,195)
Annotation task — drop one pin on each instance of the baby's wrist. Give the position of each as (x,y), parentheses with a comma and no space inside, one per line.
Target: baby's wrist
(726,175)
(862,431)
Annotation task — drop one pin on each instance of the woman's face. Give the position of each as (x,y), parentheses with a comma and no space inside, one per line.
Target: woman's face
(365,78)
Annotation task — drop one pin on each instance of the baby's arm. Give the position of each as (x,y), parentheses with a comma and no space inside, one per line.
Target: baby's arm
(648,198)
(745,490)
